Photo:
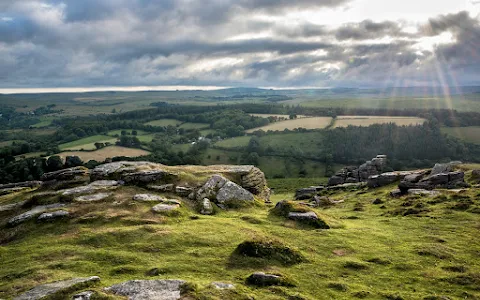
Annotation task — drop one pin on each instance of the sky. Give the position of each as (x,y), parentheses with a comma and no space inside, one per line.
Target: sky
(191,44)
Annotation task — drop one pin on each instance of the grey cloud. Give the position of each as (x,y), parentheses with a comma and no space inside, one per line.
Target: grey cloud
(369,30)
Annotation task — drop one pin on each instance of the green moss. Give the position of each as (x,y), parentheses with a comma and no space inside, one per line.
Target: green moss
(270,250)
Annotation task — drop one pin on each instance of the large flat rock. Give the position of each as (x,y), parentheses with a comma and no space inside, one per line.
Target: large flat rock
(148,289)
(33,213)
(50,289)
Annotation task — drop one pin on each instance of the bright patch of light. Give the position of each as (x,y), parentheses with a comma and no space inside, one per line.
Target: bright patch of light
(6,19)
(211,64)
(430,43)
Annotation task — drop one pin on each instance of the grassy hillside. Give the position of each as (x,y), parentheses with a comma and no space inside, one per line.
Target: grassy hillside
(87,143)
(371,250)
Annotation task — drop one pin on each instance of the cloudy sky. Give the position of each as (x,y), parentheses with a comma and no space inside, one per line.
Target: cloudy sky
(266,43)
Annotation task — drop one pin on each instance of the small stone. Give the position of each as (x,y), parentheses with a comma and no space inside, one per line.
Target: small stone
(378,201)
(183,191)
(162,188)
(87,295)
(223,286)
(92,198)
(148,198)
(309,218)
(165,208)
(51,216)
(206,207)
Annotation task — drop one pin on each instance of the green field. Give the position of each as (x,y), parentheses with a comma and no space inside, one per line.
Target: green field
(460,103)
(469,134)
(87,143)
(9,143)
(236,142)
(206,132)
(104,153)
(194,125)
(164,122)
(128,131)
(44,123)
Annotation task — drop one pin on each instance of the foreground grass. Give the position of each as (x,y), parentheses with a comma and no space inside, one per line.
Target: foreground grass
(368,253)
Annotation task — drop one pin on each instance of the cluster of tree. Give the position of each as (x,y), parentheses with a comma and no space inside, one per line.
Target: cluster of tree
(46,110)
(406,146)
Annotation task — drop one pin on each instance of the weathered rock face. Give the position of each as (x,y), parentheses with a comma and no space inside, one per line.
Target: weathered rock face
(165,188)
(33,213)
(223,286)
(444,168)
(476,174)
(223,191)
(391,177)
(19,186)
(50,289)
(92,187)
(52,216)
(66,174)
(92,198)
(148,198)
(148,289)
(441,176)
(361,173)
(156,175)
(160,208)
(13,206)
(307,193)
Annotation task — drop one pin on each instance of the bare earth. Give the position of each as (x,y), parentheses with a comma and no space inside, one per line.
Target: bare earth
(344,121)
(107,152)
(308,123)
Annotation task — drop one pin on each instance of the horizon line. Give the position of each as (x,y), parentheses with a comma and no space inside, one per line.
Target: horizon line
(172,88)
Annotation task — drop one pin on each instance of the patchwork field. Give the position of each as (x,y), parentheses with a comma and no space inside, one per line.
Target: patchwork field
(236,142)
(9,143)
(307,123)
(344,121)
(194,125)
(276,116)
(164,122)
(87,143)
(469,134)
(104,153)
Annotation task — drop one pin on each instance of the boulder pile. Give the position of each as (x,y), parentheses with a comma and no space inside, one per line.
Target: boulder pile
(361,173)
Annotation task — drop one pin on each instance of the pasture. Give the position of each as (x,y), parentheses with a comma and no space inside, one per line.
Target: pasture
(104,153)
(236,142)
(164,122)
(344,121)
(307,123)
(469,134)
(276,116)
(189,125)
(87,143)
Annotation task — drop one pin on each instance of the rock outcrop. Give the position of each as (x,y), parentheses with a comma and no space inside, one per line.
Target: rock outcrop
(33,213)
(66,174)
(54,215)
(51,289)
(92,187)
(148,289)
(361,173)
(157,176)
(223,192)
